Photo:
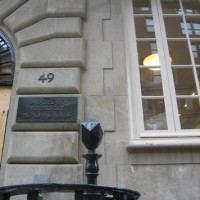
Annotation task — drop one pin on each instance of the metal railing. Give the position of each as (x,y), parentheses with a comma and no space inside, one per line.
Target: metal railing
(81,191)
(91,136)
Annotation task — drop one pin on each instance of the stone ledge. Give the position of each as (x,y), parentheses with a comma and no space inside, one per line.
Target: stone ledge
(145,145)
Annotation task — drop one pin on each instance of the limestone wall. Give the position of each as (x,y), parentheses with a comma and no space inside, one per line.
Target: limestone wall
(50,54)
(82,44)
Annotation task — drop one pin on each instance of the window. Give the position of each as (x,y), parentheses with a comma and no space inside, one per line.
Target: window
(7,62)
(163,59)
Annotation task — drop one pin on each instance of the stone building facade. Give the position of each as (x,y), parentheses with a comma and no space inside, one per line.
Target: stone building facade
(80,48)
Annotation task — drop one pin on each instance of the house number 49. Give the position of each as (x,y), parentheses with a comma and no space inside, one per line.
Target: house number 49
(49,77)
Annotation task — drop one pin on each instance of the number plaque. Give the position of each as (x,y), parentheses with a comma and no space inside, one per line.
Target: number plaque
(47,109)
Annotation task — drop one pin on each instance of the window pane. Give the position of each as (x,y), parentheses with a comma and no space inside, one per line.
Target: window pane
(191,7)
(141,7)
(151,82)
(145,49)
(193,26)
(196,51)
(198,72)
(144,27)
(154,114)
(174,27)
(184,81)
(179,52)
(170,7)
(189,113)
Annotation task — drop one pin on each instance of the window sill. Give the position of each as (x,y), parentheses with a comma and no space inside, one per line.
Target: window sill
(172,144)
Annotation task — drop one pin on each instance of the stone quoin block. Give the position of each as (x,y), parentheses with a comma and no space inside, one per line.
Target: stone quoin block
(37,10)
(34,10)
(24,174)
(48,81)
(8,6)
(43,147)
(59,52)
(49,28)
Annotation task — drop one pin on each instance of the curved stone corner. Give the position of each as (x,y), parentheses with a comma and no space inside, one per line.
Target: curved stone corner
(9,6)
(50,28)
(37,10)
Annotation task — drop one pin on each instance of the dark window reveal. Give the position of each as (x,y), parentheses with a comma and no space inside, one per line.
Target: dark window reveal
(7,61)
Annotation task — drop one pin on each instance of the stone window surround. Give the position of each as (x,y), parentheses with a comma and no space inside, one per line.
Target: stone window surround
(139,142)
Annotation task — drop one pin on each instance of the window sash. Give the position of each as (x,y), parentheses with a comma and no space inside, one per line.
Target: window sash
(137,126)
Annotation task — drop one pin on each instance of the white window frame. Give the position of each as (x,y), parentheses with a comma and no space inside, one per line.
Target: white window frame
(140,139)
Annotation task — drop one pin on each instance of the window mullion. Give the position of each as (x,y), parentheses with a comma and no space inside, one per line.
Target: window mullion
(168,82)
(135,103)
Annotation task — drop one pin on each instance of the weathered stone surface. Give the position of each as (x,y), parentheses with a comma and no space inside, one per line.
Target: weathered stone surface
(8,6)
(164,156)
(60,52)
(117,154)
(36,10)
(24,174)
(43,147)
(49,28)
(92,29)
(92,81)
(47,126)
(64,81)
(108,82)
(113,28)
(120,87)
(67,8)
(96,12)
(112,85)
(107,175)
(121,113)
(101,108)
(99,54)
(161,182)
(98,9)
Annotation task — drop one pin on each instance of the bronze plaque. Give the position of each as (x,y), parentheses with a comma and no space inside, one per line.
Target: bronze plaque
(47,109)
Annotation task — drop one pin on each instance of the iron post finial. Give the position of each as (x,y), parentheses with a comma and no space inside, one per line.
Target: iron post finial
(92,134)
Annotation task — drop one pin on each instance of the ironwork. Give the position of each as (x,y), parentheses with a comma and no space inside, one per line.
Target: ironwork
(7,60)
(33,191)
(92,134)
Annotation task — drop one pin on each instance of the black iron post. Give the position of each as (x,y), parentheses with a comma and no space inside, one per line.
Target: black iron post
(92,134)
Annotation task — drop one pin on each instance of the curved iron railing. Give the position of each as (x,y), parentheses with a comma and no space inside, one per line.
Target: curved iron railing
(81,191)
